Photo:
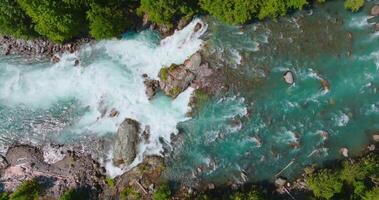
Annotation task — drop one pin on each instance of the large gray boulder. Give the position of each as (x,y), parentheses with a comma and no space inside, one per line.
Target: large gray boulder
(126,142)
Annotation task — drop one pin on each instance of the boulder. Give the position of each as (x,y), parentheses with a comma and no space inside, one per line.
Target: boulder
(113,113)
(345,152)
(126,142)
(289,77)
(175,79)
(375,10)
(152,87)
(280,182)
(375,138)
(198,27)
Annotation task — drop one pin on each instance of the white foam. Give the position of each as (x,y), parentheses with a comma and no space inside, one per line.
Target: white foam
(112,78)
(359,21)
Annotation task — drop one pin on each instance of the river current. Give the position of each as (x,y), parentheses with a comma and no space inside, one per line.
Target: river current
(250,131)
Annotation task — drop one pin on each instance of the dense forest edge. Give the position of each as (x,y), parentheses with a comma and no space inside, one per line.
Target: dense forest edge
(66,20)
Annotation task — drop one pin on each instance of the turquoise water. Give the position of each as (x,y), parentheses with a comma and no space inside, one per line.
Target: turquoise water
(249,130)
(259,124)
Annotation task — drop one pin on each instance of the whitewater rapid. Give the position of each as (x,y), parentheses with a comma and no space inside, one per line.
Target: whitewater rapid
(110,76)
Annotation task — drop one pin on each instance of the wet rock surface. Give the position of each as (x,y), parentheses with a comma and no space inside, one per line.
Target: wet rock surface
(125,142)
(289,77)
(73,171)
(151,86)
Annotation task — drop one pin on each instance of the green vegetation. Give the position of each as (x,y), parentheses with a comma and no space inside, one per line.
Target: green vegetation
(361,176)
(110,182)
(324,183)
(74,194)
(167,11)
(129,193)
(57,20)
(65,20)
(14,21)
(4,196)
(253,194)
(28,190)
(107,19)
(163,192)
(354,5)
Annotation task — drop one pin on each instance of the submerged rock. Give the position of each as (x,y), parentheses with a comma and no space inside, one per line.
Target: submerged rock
(125,142)
(113,113)
(289,77)
(375,10)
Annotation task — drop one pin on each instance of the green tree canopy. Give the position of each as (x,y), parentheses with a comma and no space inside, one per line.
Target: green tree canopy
(231,11)
(107,19)
(167,11)
(325,183)
(58,20)
(14,21)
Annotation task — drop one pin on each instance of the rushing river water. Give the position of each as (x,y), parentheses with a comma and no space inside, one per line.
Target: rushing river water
(261,124)
(250,131)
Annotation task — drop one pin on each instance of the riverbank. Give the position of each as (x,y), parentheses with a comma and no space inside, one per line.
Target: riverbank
(82,176)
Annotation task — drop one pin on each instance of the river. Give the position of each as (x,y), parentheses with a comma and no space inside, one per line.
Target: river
(251,130)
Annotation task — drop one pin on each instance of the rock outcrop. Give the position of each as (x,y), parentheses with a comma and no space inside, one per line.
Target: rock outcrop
(74,171)
(176,78)
(126,142)
(144,177)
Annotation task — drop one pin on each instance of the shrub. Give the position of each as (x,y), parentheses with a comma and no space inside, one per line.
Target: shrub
(110,182)
(4,196)
(107,21)
(129,193)
(75,194)
(57,20)
(372,194)
(28,190)
(162,193)
(14,21)
(354,5)
(324,183)
(253,194)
